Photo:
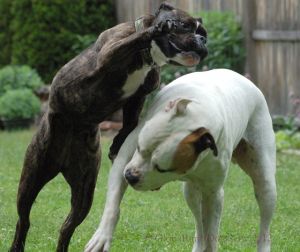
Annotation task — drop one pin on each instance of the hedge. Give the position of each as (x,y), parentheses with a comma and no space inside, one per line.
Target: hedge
(5,33)
(44,32)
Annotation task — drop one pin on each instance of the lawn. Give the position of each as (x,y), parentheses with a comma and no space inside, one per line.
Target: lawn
(151,221)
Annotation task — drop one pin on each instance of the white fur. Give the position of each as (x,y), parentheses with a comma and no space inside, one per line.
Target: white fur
(198,23)
(231,108)
(135,80)
(157,55)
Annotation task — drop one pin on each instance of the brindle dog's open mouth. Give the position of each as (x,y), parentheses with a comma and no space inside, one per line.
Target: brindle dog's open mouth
(176,47)
(191,56)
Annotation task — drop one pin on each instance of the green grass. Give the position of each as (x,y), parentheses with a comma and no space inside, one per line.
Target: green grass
(152,221)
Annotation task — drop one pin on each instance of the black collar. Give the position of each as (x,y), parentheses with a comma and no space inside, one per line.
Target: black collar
(146,55)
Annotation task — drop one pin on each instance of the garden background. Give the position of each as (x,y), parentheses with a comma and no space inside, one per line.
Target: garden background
(259,38)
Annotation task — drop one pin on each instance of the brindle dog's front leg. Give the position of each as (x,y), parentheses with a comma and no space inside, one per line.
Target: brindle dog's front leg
(132,110)
(112,54)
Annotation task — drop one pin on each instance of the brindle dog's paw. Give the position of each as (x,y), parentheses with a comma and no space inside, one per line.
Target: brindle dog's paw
(166,26)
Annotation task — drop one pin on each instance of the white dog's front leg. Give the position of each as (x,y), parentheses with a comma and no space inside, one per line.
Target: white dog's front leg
(117,185)
(212,205)
(192,196)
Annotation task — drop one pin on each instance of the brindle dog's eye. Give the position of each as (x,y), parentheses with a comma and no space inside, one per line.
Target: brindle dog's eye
(184,25)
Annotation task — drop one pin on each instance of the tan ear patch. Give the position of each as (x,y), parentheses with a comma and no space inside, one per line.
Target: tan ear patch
(186,152)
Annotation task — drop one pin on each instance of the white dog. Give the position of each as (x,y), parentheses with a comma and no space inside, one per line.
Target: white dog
(194,128)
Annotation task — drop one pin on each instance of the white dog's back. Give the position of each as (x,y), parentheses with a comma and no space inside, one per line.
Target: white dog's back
(226,96)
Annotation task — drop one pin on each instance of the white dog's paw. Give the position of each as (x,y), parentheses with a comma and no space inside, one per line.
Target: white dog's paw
(100,242)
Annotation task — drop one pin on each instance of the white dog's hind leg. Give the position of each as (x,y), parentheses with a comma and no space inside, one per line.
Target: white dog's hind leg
(102,238)
(257,157)
(192,196)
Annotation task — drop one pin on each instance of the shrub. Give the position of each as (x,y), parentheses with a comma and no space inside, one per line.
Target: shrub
(45,31)
(18,77)
(5,33)
(287,140)
(225,41)
(19,104)
(82,42)
(225,46)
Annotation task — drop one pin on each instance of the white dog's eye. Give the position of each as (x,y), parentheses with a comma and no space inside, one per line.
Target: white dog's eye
(143,153)
(156,167)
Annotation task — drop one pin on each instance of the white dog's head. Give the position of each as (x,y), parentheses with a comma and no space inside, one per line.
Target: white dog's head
(169,146)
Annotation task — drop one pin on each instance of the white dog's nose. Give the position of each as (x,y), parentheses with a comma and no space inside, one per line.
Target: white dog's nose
(132,177)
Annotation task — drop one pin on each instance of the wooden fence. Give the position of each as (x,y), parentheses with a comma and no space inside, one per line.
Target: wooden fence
(272,31)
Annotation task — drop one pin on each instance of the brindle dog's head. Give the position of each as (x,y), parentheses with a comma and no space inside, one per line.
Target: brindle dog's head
(185,43)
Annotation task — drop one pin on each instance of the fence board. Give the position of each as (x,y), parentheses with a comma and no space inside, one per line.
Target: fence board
(277,49)
(271,29)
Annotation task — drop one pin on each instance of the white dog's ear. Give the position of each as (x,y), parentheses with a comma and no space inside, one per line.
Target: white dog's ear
(190,147)
(204,140)
(179,106)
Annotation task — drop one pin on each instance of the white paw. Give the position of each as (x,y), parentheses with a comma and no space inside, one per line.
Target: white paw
(100,242)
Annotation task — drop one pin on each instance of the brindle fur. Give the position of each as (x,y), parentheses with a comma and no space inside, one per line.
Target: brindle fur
(83,93)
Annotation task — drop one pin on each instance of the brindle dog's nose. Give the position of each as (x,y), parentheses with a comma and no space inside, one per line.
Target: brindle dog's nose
(132,178)
(201,39)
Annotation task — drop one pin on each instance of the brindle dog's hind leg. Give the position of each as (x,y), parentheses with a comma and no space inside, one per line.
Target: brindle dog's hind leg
(81,174)
(36,173)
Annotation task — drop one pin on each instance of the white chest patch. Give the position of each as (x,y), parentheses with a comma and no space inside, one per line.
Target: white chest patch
(157,55)
(135,80)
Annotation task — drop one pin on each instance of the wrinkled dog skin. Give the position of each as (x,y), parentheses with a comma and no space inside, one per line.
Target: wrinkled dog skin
(194,128)
(117,71)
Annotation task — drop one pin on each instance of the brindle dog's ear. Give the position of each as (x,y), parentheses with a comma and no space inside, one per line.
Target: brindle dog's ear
(204,141)
(200,20)
(164,6)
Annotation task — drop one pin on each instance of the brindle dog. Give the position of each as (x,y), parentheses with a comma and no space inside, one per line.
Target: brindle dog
(118,71)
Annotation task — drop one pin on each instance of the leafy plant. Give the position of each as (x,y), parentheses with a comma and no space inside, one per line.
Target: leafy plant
(19,104)
(19,77)
(286,123)
(44,32)
(225,46)
(82,42)
(225,41)
(286,139)
(5,33)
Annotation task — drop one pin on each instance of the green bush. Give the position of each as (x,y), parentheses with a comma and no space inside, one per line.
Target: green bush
(225,41)
(225,46)
(5,33)
(18,77)
(19,104)
(285,139)
(82,42)
(44,32)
